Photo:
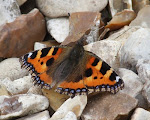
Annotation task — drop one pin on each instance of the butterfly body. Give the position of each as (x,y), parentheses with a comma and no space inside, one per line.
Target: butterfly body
(72,70)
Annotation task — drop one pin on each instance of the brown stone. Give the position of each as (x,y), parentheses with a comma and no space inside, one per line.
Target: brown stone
(55,99)
(83,23)
(105,106)
(121,19)
(18,37)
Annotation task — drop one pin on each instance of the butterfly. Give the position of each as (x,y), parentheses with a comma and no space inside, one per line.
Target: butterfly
(72,70)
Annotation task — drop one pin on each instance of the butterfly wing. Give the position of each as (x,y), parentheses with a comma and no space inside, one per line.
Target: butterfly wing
(39,61)
(96,76)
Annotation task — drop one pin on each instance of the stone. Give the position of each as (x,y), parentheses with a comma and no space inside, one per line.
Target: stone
(139,4)
(133,84)
(140,114)
(23,33)
(70,116)
(55,99)
(83,23)
(106,106)
(18,86)
(9,11)
(76,105)
(58,28)
(21,2)
(121,19)
(35,90)
(146,92)
(38,116)
(139,21)
(119,5)
(143,69)
(50,7)
(135,48)
(11,68)
(123,34)
(100,47)
(3,90)
(20,105)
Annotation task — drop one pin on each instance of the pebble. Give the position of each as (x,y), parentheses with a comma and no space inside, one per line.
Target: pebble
(135,48)
(76,105)
(139,21)
(105,106)
(11,68)
(133,84)
(50,7)
(9,11)
(20,33)
(58,28)
(38,116)
(18,86)
(20,105)
(140,114)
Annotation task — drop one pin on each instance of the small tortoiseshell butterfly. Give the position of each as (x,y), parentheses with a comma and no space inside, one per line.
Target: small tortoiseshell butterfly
(72,69)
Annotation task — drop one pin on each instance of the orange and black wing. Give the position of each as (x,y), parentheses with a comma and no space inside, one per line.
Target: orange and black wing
(39,61)
(97,76)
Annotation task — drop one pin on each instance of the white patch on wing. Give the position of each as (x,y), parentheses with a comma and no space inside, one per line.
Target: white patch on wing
(117,78)
(29,54)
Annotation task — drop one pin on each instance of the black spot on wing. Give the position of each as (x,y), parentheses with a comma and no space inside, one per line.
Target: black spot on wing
(50,61)
(105,67)
(33,55)
(44,52)
(55,51)
(41,63)
(95,77)
(95,62)
(88,72)
(113,76)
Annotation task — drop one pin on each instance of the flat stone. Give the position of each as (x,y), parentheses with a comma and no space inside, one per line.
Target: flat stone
(9,11)
(112,47)
(133,84)
(55,99)
(139,21)
(143,69)
(70,116)
(38,116)
(146,92)
(121,19)
(11,68)
(141,114)
(109,107)
(18,86)
(23,33)
(130,54)
(76,105)
(83,23)
(20,105)
(50,7)
(123,34)
(35,90)
(58,28)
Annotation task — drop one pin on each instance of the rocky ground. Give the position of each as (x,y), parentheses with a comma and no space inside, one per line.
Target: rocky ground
(117,31)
